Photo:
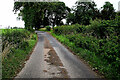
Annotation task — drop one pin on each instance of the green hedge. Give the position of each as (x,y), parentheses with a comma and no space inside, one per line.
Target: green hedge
(97,28)
(102,41)
(14,60)
(48,28)
(97,61)
(69,29)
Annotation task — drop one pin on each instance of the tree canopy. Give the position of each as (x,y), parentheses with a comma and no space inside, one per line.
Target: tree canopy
(41,14)
(83,12)
(37,14)
(108,11)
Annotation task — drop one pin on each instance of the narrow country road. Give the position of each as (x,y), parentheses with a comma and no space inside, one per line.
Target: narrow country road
(50,59)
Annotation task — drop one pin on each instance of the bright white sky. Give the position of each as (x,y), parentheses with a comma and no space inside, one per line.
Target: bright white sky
(8,18)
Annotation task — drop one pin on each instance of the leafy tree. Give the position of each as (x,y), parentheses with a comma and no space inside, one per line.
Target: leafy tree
(83,12)
(71,18)
(41,13)
(58,11)
(108,11)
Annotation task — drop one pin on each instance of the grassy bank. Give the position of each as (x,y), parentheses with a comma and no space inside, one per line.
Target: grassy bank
(99,64)
(90,57)
(13,62)
(97,43)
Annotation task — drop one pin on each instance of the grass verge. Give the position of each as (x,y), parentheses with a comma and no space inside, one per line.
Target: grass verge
(14,61)
(97,64)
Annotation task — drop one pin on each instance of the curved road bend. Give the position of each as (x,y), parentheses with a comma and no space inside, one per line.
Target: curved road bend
(35,65)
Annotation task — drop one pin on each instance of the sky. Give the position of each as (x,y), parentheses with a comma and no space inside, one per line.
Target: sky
(8,18)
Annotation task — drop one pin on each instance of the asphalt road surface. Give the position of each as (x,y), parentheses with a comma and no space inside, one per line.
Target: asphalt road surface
(35,67)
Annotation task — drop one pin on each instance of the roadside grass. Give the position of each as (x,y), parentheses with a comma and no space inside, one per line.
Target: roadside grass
(97,63)
(14,61)
(44,29)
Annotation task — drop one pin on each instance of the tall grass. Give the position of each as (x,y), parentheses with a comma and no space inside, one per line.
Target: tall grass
(13,38)
(17,45)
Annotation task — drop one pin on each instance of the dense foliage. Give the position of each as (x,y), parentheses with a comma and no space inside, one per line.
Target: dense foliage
(48,28)
(83,12)
(69,29)
(108,11)
(37,14)
(16,46)
(14,38)
(101,37)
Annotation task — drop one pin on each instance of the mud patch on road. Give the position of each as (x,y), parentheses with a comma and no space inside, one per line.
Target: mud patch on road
(53,65)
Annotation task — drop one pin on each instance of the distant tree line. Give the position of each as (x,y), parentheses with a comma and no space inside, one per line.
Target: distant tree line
(83,12)
(37,14)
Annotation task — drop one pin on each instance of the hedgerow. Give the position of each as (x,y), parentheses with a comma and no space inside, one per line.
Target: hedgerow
(69,29)
(101,37)
(16,47)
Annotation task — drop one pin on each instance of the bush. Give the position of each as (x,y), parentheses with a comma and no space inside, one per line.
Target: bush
(84,42)
(98,42)
(48,28)
(69,29)
(14,37)
(14,61)
(104,28)
(33,37)
(23,45)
